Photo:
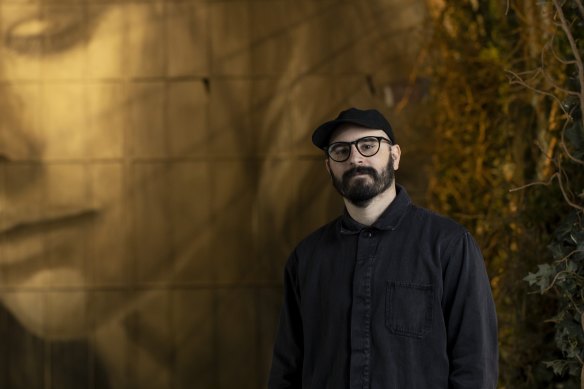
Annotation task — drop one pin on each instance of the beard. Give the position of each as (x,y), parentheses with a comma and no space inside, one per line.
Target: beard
(362,190)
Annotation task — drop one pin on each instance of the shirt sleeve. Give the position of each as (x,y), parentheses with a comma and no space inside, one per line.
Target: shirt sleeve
(287,359)
(470,317)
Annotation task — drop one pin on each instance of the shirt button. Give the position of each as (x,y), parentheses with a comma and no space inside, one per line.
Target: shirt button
(369,234)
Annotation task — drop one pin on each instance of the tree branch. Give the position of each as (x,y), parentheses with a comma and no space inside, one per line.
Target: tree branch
(544,183)
(519,81)
(575,50)
(565,192)
(565,148)
(580,6)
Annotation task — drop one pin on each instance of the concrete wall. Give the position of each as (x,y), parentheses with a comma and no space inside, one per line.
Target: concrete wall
(156,170)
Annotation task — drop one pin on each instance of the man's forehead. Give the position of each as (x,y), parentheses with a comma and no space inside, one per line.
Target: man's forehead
(349,132)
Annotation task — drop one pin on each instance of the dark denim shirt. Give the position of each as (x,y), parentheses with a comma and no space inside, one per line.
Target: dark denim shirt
(403,304)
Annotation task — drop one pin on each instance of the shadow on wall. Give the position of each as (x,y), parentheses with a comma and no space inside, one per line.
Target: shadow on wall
(155,172)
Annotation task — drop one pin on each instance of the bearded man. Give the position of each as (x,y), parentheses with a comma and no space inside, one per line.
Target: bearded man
(389,295)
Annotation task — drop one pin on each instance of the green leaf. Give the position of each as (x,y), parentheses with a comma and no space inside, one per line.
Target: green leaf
(531,278)
(571,266)
(558,366)
(556,250)
(545,269)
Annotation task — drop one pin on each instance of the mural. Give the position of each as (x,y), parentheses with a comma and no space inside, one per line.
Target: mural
(156,170)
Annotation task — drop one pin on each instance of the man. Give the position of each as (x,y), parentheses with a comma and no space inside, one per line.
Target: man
(389,295)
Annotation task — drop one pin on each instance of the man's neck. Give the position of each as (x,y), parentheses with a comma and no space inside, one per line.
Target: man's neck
(370,213)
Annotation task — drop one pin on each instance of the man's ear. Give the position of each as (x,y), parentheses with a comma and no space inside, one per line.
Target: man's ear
(396,154)
(327,164)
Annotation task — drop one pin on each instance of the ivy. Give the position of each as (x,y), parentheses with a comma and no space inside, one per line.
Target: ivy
(506,106)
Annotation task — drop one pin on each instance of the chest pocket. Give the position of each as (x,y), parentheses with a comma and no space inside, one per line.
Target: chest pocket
(408,308)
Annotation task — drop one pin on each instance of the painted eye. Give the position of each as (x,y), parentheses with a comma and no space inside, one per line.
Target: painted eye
(46,34)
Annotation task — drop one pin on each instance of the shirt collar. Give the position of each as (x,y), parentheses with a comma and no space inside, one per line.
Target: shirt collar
(388,220)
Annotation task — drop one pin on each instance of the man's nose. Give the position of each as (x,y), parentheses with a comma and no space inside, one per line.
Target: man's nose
(355,157)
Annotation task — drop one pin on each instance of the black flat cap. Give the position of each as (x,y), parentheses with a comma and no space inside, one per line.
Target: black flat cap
(369,118)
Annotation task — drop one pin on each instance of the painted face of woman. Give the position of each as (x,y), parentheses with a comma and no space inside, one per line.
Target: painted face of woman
(93,159)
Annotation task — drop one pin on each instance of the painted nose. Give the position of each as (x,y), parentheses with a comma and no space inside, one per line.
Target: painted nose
(14,146)
(14,142)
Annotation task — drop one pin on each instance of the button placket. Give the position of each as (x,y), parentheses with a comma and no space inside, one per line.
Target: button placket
(361,310)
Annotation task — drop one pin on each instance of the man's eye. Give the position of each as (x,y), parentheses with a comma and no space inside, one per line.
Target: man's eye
(47,33)
(339,150)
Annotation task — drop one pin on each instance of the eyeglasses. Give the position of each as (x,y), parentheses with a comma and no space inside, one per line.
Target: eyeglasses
(367,147)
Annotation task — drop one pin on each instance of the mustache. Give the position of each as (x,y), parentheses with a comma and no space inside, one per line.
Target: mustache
(359,170)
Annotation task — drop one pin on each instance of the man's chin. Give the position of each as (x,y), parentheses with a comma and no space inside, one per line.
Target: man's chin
(360,203)
(360,197)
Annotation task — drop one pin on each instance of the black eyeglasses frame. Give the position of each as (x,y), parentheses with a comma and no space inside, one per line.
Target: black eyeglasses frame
(355,142)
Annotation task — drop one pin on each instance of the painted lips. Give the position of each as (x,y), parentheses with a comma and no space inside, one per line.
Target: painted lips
(19,232)
(15,222)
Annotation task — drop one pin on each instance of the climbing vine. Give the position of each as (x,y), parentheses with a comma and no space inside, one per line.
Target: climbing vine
(505,106)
